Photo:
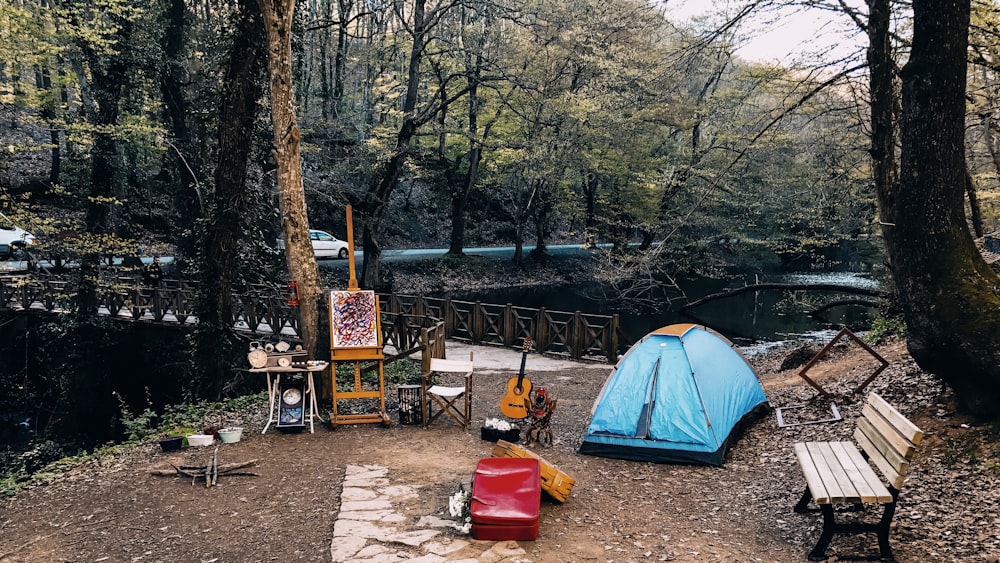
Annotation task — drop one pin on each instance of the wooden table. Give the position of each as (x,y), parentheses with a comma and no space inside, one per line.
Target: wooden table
(274,373)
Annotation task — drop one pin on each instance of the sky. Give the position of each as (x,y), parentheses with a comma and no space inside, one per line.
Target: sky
(781,36)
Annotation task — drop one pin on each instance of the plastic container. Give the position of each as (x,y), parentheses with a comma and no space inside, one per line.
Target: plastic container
(200,439)
(231,435)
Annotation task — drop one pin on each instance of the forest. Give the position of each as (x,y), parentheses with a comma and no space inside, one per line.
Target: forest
(208,129)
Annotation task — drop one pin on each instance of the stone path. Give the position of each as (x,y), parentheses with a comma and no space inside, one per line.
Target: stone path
(370,529)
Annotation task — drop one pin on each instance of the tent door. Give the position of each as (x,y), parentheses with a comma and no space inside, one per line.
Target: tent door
(646,415)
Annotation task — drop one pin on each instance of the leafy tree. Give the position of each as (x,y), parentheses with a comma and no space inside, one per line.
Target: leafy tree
(949,297)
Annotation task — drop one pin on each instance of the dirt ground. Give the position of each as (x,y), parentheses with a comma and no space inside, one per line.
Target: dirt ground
(116,510)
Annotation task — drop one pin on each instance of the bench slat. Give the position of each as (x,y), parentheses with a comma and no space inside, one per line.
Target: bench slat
(909,430)
(830,482)
(846,484)
(892,474)
(813,479)
(860,474)
(890,436)
(880,493)
(825,473)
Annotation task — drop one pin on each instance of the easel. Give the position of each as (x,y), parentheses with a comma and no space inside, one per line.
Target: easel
(356,351)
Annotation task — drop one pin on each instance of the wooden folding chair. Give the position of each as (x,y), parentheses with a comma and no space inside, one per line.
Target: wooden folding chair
(447,387)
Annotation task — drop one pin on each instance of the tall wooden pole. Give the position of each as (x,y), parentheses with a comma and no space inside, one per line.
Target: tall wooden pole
(352,282)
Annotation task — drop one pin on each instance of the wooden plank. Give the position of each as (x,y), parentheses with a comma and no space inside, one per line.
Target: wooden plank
(857,474)
(894,477)
(554,482)
(882,494)
(813,479)
(880,447)
(891,436)
(909,430)
(827,490)
(843,482)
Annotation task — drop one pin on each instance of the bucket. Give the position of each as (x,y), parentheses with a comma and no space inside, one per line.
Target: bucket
(231,435)
(200,440)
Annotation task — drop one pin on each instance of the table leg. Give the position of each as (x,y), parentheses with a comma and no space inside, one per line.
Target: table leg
(312,400)
(272,389)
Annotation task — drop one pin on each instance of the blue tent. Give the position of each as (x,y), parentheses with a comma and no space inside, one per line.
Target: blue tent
(676,396)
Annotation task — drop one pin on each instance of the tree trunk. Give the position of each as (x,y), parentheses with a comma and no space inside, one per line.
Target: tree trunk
(43,81)
(590,185)
(949,296)
(975,210)
(460,197)
(542,212)
(109,77)
(340,58)
(883,141)
(277,15)
(185,157)
(216,343)
(383,182)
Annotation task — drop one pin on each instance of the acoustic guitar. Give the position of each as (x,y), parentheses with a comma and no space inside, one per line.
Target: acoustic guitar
(518,388)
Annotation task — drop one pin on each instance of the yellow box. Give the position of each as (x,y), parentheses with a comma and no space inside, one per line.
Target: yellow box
(555,483)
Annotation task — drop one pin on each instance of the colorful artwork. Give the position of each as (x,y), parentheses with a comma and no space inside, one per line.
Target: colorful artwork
(355,319)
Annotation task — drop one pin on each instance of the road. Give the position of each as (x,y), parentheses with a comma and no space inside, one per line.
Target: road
(408,254)
(388,255)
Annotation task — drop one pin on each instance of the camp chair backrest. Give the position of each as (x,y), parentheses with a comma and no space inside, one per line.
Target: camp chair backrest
(888,438)
(447,387)
(451,366)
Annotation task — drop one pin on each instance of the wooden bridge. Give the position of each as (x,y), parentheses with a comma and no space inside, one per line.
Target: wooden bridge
(264,311)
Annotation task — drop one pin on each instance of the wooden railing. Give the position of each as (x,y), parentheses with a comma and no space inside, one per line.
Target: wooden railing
(574,335)
(264,310)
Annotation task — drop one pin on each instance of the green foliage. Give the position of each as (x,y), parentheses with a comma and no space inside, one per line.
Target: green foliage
(405,371)
(885,328)
(137,427)
(47,459)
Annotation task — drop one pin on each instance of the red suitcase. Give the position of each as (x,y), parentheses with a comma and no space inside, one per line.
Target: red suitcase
(506,495)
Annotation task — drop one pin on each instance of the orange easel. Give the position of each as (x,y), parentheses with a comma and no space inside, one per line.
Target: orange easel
(356,348)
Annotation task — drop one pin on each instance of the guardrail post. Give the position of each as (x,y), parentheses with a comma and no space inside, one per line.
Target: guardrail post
(541,331)
(612,347)
(449,318)
(508,325)
(477,323)
(577,337)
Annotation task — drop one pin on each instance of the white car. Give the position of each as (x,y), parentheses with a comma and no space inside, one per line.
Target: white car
(12,237)
(326,245)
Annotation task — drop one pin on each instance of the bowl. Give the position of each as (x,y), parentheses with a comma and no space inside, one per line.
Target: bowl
(231,435)
(171,443)
(200,439)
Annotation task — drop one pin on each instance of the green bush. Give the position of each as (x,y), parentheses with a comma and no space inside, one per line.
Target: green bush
(883,329)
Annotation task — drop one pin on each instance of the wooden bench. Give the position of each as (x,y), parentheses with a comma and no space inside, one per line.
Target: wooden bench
(837,473)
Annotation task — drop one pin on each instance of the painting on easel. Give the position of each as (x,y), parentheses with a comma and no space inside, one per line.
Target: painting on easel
(355,319)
